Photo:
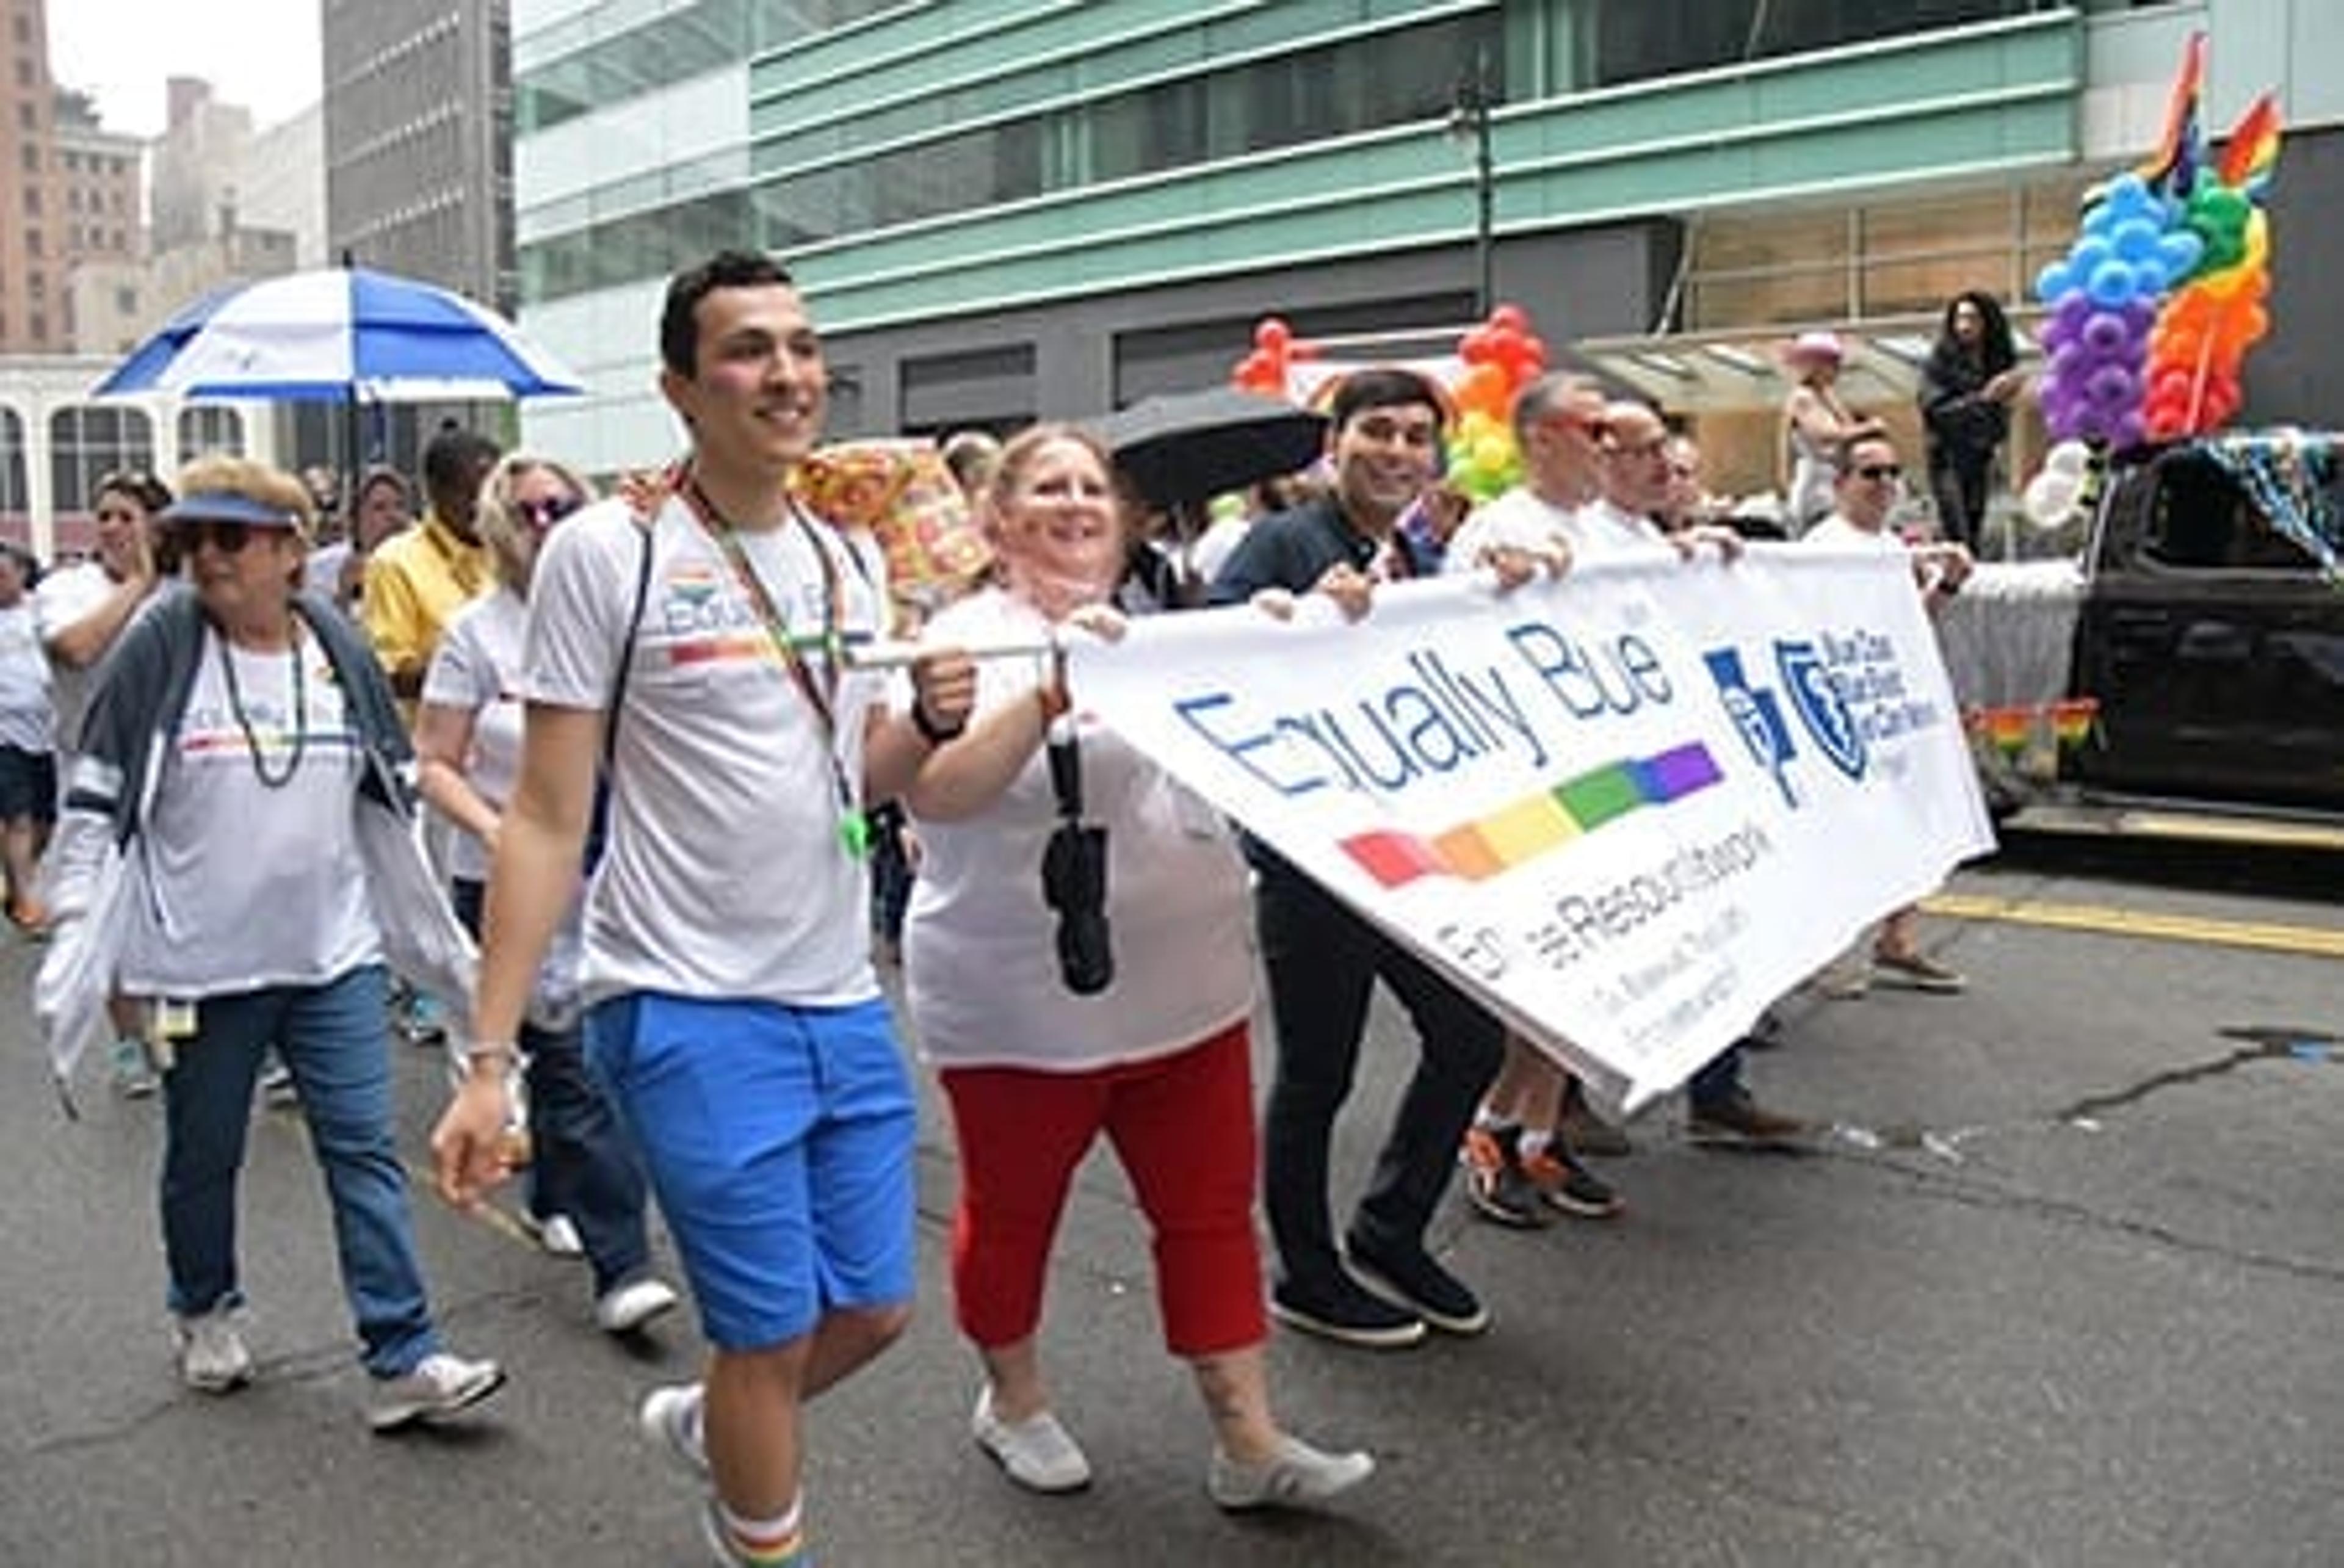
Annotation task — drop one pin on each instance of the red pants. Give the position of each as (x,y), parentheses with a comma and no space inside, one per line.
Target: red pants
(1183,1126)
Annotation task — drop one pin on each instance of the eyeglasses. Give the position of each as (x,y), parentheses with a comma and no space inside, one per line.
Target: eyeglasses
(1875,472)
(1595,425)
(227,538)
(544,513)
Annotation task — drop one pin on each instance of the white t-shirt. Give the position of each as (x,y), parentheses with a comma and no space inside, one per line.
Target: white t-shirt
(1522,519)
(253,886)
(1837,529)
(1519,520)
(477,668)
(1603,530)
(26,718)
(64,597)
(980,955)
(724,875)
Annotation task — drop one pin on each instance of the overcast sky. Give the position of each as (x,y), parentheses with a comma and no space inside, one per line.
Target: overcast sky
(261,53)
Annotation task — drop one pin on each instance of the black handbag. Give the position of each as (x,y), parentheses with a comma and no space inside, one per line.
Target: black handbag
(1074,872)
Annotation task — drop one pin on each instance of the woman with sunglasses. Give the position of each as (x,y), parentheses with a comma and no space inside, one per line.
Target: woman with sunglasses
(1158,1062)
(80,610)
(586,1190)
(238,847)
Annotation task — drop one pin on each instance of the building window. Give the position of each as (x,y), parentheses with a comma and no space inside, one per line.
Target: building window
(89,441)
(30,156)
(211,429)
(33,200)
(125,302)
(27,117)
(1637,40)
(15,489)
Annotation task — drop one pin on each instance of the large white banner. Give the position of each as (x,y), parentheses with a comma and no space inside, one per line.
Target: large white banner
(1628,810)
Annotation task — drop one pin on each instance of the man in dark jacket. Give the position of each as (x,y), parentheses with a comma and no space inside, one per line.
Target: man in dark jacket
(1323,958)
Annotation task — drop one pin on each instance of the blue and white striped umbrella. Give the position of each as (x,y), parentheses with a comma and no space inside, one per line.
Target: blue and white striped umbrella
(339,334)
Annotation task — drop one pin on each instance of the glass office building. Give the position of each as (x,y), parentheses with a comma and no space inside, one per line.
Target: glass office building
(1004,211)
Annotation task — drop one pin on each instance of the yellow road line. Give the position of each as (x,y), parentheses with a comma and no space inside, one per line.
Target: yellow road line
(2265,935)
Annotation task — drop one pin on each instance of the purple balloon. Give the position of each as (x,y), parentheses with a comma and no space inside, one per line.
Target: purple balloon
(2112,388)
(2075,308)
(2069,361)
(2129,430)
(2106,333)
(2140,315)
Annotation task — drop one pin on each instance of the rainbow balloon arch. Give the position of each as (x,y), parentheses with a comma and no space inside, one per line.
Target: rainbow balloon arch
(1493,362)
(2154,306)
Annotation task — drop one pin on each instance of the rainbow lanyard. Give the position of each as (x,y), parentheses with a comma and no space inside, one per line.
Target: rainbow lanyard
(820,692)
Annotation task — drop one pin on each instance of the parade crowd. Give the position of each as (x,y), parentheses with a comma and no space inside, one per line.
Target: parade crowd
(596,790)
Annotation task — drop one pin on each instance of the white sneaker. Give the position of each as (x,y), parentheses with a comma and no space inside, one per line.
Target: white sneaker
(135,1076)
(212,1357)
(625,1308)
(558,1235)
(669,1420)
(440,1386)
(1037,1453)
(1300,1475)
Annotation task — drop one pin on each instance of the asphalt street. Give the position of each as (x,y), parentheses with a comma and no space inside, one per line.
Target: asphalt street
(2063,1285)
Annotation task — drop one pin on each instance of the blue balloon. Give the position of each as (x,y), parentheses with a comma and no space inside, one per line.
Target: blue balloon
(2113,283)
(2181,250)
(2148,278)
(2090,254)
(2053,281)
(2134,239)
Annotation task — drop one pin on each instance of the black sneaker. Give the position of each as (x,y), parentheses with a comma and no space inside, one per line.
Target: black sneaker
(1346,1311)
(1439,1297)
(1495,1183)
(1570,1185)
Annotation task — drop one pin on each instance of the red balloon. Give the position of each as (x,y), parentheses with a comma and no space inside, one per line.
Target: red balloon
(1272,335)
(1478,346)
(1534,353)
(1511,316)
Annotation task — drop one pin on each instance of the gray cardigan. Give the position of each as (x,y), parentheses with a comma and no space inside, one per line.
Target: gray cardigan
(142,690)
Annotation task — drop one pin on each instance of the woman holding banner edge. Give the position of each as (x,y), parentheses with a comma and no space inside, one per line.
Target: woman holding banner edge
(1159,1061)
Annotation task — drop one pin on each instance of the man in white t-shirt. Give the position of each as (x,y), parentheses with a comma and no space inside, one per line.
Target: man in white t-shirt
(734,1012)
(1865,494)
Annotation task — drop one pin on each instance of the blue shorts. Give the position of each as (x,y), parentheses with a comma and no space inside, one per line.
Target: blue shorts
(780,1143)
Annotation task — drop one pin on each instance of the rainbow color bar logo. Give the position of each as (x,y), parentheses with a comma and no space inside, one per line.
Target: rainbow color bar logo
(1525,829)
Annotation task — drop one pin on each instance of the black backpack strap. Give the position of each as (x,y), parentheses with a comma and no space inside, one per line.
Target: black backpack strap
(598,826)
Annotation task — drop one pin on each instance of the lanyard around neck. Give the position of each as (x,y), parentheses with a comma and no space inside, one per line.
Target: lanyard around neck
(820,692)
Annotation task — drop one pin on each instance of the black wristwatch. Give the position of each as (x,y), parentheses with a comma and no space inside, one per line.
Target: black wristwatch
(934,734)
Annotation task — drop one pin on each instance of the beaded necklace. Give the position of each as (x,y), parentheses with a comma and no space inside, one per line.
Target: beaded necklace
(244,720)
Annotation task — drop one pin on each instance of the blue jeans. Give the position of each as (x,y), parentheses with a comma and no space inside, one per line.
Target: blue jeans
(331,1036)
(581,1162)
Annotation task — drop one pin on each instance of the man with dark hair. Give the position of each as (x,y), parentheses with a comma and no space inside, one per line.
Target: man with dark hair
(419,578)
(1323,958)
(733,1013)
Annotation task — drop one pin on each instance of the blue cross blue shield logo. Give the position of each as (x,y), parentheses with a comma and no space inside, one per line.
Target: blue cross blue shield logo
(1823,711)
(1757,717)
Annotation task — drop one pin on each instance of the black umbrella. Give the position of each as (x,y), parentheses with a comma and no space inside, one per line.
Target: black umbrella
(1186,448)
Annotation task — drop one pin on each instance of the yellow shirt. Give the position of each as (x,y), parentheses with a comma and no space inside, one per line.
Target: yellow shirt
(416,581)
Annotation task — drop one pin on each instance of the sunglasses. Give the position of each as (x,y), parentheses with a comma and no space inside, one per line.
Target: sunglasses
(227,538)
(543,515)
(1878,472)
